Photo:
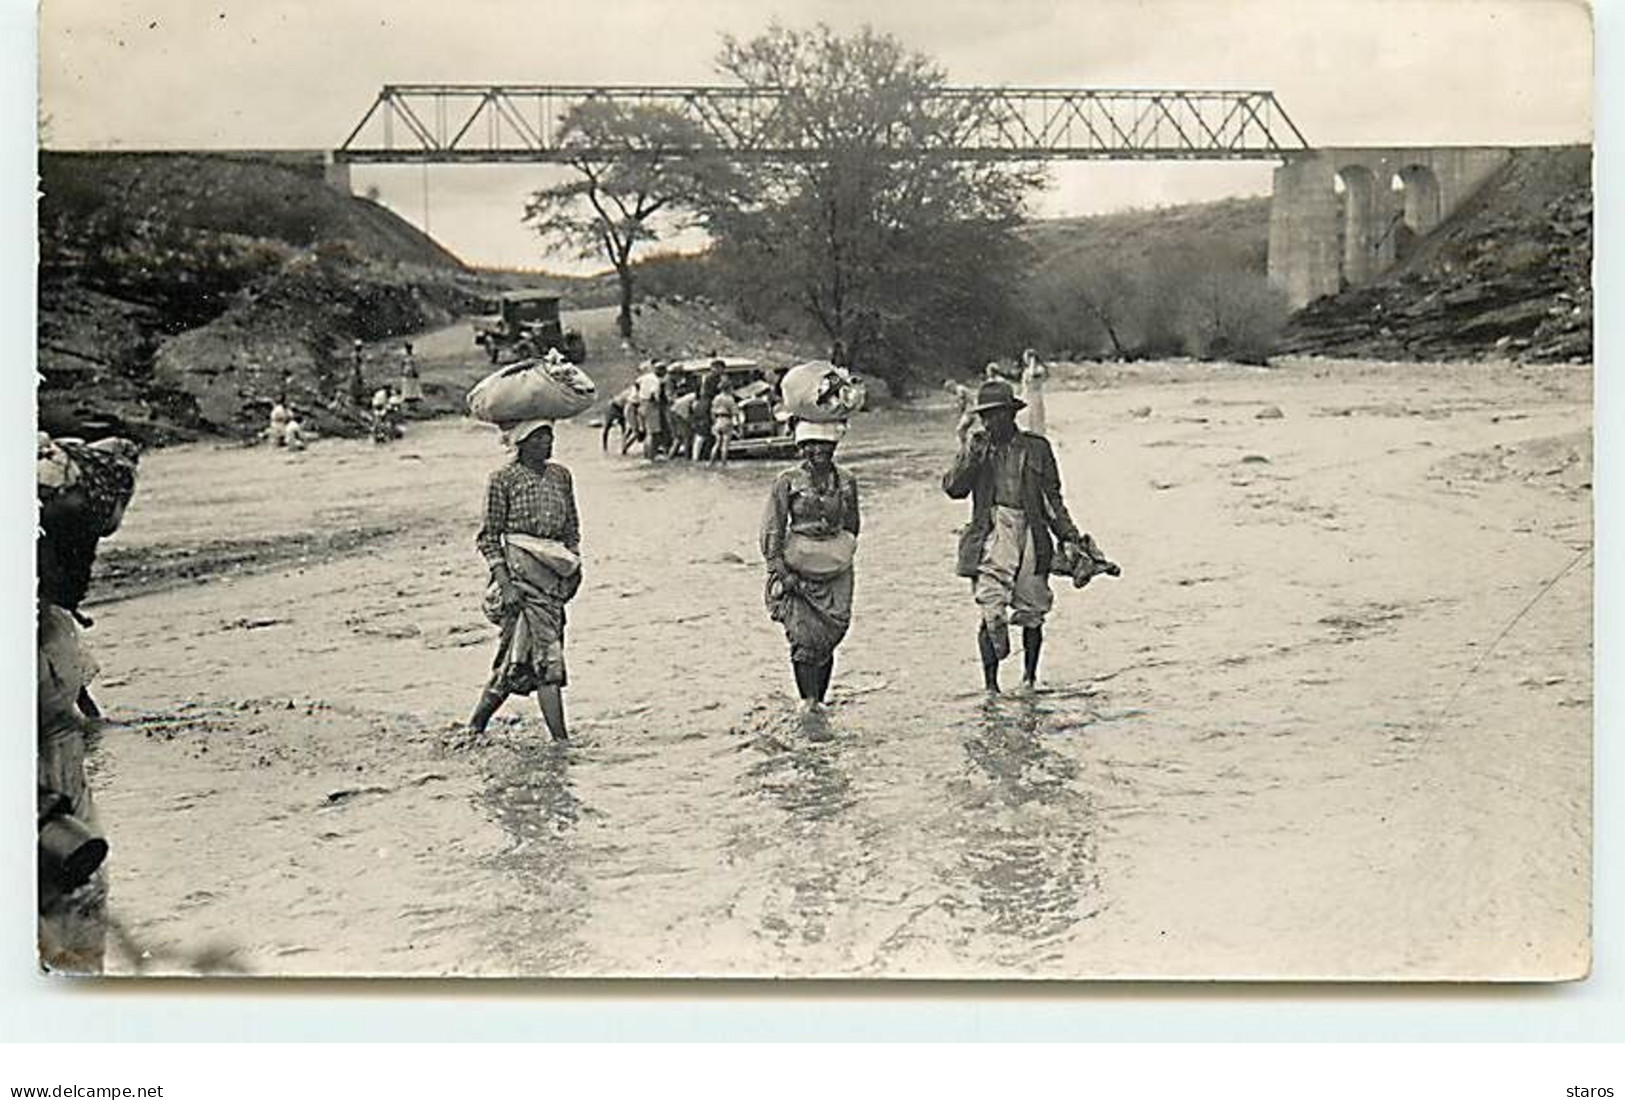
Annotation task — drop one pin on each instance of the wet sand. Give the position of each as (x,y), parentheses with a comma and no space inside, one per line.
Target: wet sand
(1290,741)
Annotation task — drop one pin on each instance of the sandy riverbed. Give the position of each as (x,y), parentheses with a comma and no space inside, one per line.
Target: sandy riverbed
(1290,741)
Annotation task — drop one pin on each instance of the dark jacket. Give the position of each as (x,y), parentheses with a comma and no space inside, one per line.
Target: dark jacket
(1040,495)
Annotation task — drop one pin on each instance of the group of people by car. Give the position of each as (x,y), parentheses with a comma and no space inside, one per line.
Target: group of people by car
(690,409)
(1020,532)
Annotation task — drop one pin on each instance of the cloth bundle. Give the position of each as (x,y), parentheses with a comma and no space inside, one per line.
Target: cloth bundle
(821,393)
(532,389)
(102,472)
(1083,563)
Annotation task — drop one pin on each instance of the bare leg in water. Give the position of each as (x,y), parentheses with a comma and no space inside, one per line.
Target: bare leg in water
(990,660)
(806,674)
(490,701)
(1032,644)
(812,681)
(551,700)
(825,671)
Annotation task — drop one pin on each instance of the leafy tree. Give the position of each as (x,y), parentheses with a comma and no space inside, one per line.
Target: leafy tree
(636,176)
(886,245)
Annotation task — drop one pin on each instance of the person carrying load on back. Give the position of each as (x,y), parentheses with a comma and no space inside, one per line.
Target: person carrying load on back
(531,541)
(1017,518)
(83,490)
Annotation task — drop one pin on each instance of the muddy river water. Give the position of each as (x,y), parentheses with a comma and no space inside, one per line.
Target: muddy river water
(1291,740)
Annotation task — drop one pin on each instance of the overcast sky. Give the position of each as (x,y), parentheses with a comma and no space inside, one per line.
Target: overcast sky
(300,74)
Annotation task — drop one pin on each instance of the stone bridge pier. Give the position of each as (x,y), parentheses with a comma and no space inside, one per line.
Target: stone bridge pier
(1341,217)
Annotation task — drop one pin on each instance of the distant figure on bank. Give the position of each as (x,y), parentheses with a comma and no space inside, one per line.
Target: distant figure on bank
(726,420)
(1033,374)
(358,380)
(295,436)
(809,538)
(386,416)
(653,406)
(622,413)
(710,386)
(411,382)
(279,423)
(531,540)
(1017,517)
(682,426)
(965,399)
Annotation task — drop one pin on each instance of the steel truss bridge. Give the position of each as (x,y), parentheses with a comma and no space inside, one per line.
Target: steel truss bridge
(521,123)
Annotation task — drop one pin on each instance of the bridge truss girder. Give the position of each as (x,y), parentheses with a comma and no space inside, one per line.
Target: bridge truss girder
(509,123)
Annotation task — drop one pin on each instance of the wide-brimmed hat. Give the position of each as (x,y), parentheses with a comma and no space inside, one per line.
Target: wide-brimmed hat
(808,431)
(996,394)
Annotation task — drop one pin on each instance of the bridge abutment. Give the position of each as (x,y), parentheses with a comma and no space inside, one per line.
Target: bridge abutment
(1337,215)
(336,174)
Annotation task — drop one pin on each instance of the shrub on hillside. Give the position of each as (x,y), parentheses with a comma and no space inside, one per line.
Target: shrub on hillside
(1209,302)
(1234,317)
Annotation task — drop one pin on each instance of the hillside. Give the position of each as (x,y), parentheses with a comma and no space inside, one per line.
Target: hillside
(1237,228)
(178,292)
(1508,276)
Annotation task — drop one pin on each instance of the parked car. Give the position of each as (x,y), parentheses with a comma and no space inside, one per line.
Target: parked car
(526,325)
(766,431)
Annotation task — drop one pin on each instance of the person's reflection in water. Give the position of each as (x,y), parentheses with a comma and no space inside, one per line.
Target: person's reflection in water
(533,798)
(805,782)
(816,857)
(1028,831)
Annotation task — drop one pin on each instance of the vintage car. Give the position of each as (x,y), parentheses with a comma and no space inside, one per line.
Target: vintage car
(526,324)
(766,431)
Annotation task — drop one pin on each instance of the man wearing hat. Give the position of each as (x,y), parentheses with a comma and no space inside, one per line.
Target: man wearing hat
(1017,519)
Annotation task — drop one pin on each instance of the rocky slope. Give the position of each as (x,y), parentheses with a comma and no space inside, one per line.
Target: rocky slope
(1507,276)
(178,292)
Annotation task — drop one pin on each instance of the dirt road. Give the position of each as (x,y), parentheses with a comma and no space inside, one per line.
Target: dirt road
(1293,739)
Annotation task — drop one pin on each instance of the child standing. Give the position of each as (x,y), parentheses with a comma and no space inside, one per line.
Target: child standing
(725,420)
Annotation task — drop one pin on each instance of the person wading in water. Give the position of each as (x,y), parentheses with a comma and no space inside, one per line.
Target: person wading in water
(531,539)
(809,537)
(1017,517)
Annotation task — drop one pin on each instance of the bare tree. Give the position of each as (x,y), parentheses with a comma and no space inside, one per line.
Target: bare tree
(1108,296)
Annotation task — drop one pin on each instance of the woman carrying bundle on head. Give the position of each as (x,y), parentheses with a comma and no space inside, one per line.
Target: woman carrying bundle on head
(531,540)
(531,537)
(809,536)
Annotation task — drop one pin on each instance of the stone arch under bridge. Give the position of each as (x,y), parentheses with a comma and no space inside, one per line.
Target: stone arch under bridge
(1340,217)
